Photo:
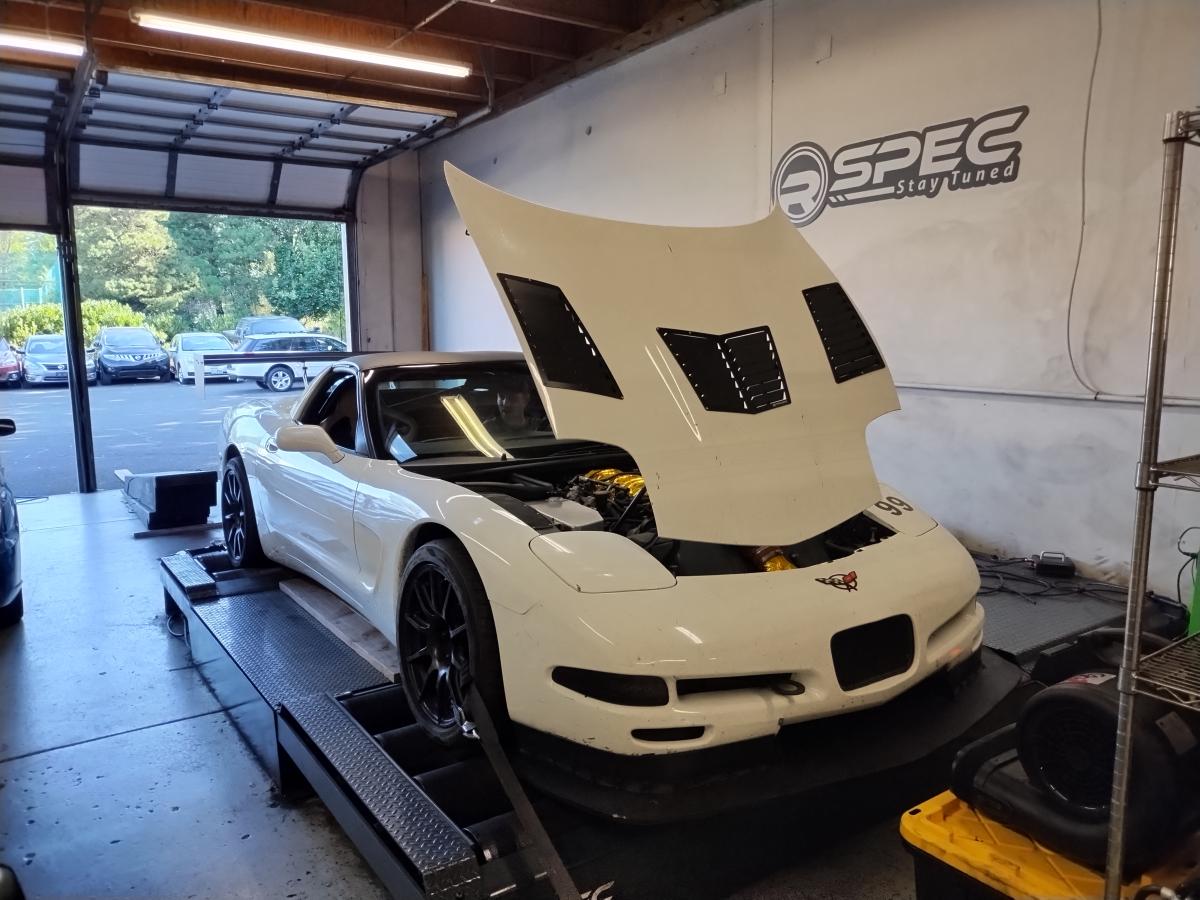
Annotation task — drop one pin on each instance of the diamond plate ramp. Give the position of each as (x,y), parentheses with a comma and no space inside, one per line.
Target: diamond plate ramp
(436,848)
(283,650)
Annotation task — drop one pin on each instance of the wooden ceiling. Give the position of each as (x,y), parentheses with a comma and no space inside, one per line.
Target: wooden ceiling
(516,49)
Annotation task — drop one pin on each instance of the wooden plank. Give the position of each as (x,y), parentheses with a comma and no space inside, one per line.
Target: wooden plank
(336,615)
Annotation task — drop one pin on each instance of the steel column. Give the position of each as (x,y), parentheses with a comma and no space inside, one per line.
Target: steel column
(1168,219)
(81,410)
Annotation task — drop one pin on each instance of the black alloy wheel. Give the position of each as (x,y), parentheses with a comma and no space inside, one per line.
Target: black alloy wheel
(446,641)
(237,516)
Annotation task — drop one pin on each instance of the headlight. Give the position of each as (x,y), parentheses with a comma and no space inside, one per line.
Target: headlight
(34,366)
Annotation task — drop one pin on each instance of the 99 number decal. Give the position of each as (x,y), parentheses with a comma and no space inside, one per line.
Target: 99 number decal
(894,505)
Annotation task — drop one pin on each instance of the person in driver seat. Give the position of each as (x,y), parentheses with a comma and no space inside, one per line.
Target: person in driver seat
(513,413)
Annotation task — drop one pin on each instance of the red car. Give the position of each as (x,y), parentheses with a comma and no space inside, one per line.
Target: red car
(10,365)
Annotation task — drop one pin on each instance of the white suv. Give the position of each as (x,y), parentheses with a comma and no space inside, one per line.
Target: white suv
(280,375)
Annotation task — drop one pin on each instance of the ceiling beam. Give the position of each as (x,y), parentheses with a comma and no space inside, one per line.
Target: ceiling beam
(264,78)
(675,17)
(611,17)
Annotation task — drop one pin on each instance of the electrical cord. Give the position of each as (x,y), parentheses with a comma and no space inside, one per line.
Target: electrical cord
(1191,558)
(1087,118)
(1002,575)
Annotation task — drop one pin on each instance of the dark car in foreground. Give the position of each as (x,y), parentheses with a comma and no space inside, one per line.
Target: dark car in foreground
(128,354)
(45,360)
(11,604)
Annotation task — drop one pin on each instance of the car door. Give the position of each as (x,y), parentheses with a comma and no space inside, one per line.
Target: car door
(312,496)
(312,368)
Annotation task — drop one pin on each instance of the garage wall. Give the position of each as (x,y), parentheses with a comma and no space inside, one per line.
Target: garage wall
(967,289)
(388,223)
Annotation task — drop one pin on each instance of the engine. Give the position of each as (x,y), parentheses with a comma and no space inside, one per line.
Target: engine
(616,500)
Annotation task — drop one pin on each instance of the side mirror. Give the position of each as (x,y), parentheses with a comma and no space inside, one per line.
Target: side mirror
(7,427)
(307,439)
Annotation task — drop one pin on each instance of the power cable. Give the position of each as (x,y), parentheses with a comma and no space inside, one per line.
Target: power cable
(1087,118)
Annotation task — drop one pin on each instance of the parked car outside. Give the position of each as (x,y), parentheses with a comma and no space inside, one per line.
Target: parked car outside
(250,326)
(44,360)
(184,348)
(127,354)
(10,365)
(12,605)
(281,376)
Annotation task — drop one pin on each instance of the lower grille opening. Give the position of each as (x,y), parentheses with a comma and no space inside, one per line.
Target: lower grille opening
(623,690)
(681,733)
(869,653)
(687,686)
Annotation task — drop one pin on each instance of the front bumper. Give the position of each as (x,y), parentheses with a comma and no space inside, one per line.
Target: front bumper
(54,376)
(120,370)
(731,626)
(905,745)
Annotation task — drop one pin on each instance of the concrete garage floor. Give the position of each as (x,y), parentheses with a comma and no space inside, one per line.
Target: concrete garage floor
(120,774)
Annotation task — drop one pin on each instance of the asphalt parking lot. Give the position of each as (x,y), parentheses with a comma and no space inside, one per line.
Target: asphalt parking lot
(143,426)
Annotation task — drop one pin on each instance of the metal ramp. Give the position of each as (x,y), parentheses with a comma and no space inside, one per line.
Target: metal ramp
(434,822)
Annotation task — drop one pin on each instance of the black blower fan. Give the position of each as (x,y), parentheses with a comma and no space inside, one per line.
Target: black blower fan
(1051,776)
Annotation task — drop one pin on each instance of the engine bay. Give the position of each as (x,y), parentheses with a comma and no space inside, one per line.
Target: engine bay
(615,499)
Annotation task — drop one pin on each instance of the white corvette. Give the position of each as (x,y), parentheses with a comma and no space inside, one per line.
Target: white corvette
(656,530)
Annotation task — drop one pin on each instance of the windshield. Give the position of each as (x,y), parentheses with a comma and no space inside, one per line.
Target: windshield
(204,342)
(474,410)
(133,339)
(51,344)
(273,326)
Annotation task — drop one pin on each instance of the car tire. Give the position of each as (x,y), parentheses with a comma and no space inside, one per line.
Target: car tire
(447,641)
(279,379)
(13,612)
(237,516)
(104,377)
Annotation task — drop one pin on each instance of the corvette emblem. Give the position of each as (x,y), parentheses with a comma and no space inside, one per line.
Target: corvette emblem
(847,582)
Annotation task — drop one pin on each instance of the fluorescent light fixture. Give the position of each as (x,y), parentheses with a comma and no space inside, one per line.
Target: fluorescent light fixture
(24,41)
(295,45)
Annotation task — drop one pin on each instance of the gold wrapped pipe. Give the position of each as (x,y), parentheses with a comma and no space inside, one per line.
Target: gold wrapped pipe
(602,474)
(770,559)
(632,483)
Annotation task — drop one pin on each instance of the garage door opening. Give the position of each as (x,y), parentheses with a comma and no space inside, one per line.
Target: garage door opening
(157,289)
(167,287)
(39,458)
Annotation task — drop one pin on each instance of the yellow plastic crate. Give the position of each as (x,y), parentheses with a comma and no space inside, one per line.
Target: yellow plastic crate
(1010,864)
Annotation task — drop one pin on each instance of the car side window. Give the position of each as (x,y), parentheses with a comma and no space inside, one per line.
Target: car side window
(335,409)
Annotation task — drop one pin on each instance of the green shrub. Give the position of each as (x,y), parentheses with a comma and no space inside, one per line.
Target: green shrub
(40,318)
(46,318)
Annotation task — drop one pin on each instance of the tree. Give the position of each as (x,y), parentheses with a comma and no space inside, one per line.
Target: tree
(307,281)
(227,260)
(124,255)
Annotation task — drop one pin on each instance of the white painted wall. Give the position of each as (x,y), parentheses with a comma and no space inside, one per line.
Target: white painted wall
(388,223)
(969,288)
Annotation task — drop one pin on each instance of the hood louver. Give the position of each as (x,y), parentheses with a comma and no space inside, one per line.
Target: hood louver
(848,344)
(737,372)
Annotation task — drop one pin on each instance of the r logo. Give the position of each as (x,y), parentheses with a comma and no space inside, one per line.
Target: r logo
(802,182)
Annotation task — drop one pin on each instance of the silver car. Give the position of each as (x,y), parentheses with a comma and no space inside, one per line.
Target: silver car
(44,361)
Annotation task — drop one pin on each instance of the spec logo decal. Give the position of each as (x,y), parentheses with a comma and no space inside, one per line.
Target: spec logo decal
(847,582)
(964,153)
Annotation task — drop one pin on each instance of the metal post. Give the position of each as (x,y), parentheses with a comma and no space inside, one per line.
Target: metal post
(1168,218)
(81,409)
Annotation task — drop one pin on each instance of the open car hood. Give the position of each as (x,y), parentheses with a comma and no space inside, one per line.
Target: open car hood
(727,361)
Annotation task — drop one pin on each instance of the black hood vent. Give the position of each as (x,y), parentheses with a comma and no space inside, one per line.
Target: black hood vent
(847,342)
(736,372)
